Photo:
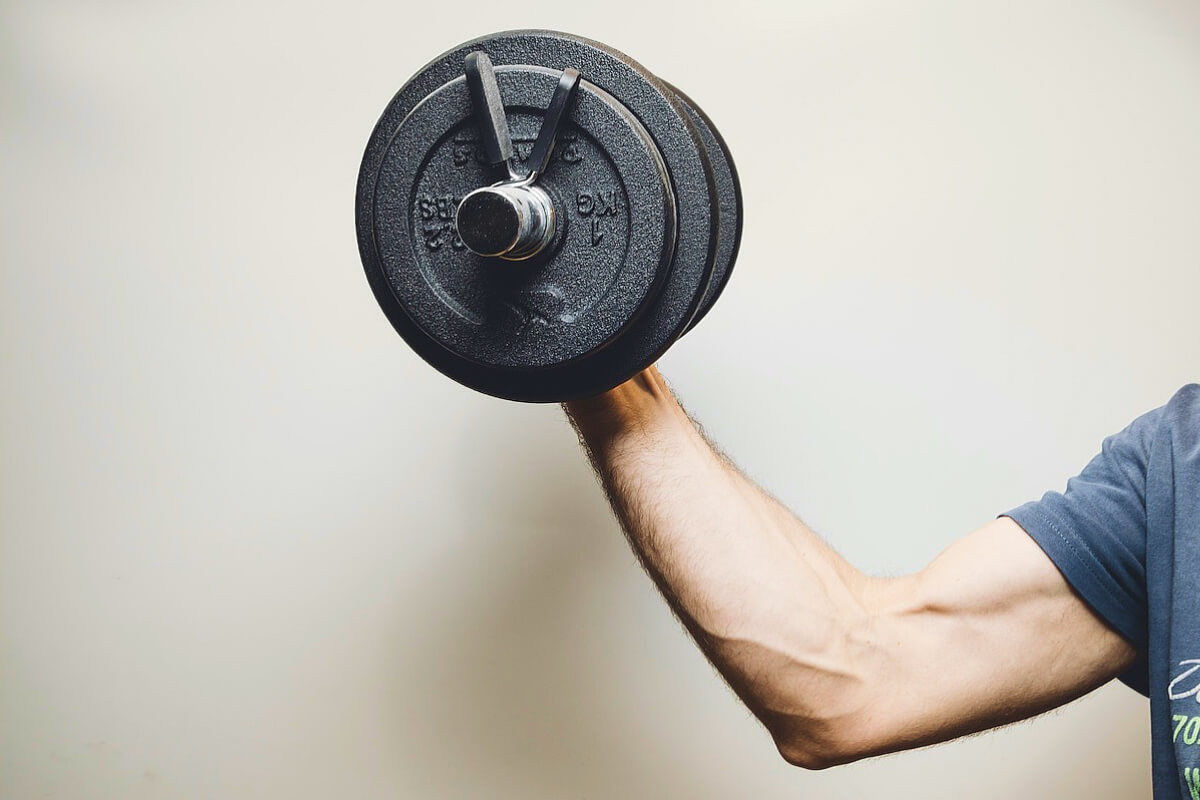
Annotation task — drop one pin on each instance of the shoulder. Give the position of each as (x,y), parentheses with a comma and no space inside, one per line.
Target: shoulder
(1158,436)
(1184,405)
(1179,420)
(1167,434)
(1181,411)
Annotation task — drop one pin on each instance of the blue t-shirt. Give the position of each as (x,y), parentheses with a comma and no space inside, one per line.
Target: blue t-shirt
(1126,535)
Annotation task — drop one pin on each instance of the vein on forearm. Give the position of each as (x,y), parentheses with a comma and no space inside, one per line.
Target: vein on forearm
(772,605)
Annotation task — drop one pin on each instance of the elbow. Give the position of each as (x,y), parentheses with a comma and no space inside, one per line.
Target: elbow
(823,724)
(831,748)
(829,735)
(810,755)
(801,754)
(816,689)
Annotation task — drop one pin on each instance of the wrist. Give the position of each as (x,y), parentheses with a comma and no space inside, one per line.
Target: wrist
(643,404)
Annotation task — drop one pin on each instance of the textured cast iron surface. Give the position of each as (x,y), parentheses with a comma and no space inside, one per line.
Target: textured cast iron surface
(729,195)
(692,180)
(614,216)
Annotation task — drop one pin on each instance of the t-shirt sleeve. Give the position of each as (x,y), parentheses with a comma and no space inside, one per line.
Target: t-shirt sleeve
(1095,531)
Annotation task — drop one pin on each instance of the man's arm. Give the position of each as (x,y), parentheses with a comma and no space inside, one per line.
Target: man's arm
(838,665)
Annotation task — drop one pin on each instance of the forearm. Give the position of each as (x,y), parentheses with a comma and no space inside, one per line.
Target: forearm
(776,610)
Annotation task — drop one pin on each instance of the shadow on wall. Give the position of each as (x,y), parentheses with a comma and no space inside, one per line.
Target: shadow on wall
(516,680)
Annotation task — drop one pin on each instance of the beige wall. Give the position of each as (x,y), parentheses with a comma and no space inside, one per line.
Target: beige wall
(253,547)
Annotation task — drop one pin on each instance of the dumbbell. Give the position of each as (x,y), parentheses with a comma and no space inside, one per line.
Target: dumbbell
(540,217)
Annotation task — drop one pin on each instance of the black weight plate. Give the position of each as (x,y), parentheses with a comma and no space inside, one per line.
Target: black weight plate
(678,140)
(609,188)
(729,194)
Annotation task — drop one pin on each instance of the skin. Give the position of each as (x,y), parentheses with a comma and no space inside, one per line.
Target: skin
(836,664)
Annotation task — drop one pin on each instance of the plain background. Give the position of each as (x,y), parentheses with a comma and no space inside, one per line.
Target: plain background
(253,547)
